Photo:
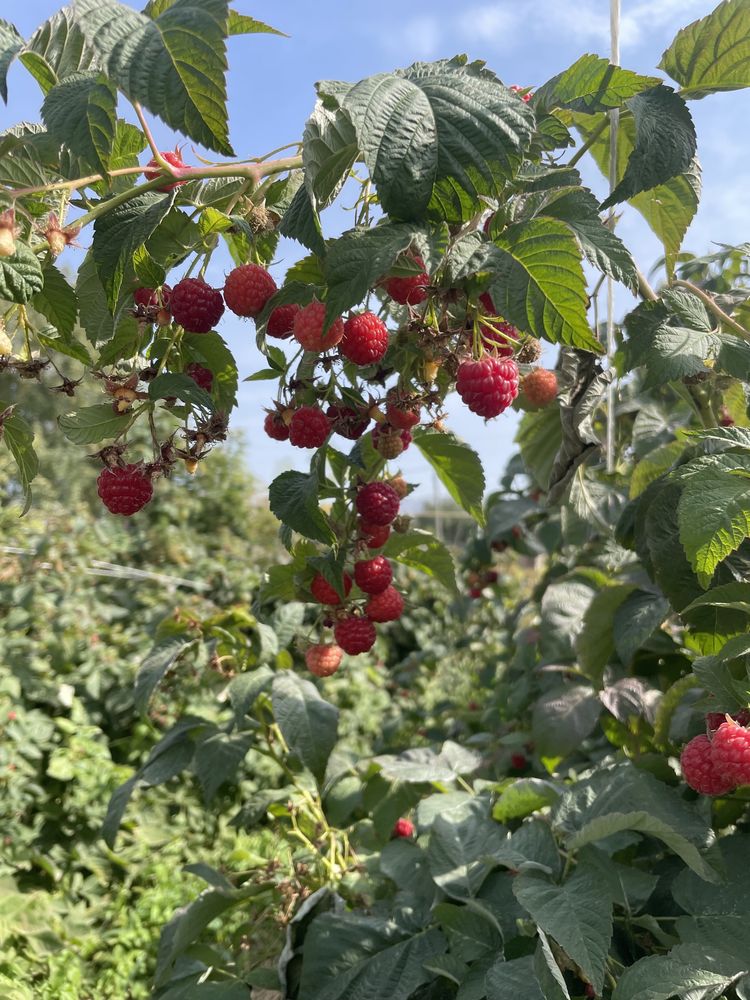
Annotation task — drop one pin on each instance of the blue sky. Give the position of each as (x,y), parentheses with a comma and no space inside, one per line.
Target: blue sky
(271,93)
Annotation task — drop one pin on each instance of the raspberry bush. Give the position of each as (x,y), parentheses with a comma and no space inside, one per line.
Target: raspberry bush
(471,240)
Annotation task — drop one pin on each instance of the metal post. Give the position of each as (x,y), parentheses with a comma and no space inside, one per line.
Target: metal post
(614,117)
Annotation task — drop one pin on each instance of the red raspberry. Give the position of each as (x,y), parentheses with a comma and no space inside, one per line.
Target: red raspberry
(389,441)
(308,328)
(365,339)
(247,289)
(355,635)
(409,291)
(281,321)
(403,828)
(149,297)
(725,417)
(730,754)
(716,719)
(500,336)
(196,306)
(385,607)
(372,576)
(124,489)
(202,376)
(488,386)
(324,593)
(699,769)
(540,387)
(402,413)
(347,422)
(517,90)
(491,576)
(323,660)
(518,761)
(153,170)
(475,593)
(376,535)
(378,503)
(275,427)
(309,427)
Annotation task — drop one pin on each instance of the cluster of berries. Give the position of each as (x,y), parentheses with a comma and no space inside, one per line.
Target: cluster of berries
(719,761)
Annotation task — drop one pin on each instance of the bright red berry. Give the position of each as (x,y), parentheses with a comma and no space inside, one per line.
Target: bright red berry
(517,90)
(196,305)
(149,297)
(402,413)
(309,328)
(475,593)
(202,376)
(275,427)
(387,606)
(699,769)
(716,719)
(309,427)
(488,386)
(376,535)
(403,828)
(372,576)
(347,421)
(730,754)
(378,503)
(247,289)
(540,387)
(153,170)
(323,660)
(410,290)
(354,635)
(124,489)
(324,593)
(365,339)
(281,321)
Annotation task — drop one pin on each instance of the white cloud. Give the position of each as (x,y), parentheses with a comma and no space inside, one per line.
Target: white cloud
(489,23)
(424,34)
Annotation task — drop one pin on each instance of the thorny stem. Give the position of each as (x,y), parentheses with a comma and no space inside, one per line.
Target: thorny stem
(164,164)
(79,182)
(713,307)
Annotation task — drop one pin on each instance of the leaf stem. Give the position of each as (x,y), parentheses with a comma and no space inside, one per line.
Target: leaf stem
(713,307)
(579,153)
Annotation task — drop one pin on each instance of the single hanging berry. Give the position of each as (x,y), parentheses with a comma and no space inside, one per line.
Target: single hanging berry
(488,386)
(699,770)
(365,339)
(202,376)
(387,606)
(403,828)
(281,321)
(309,328)
(124,489)
(324,593)
(540,387)
(378,503)
(275,427)
(372,576)
(247,289)
(154,170)
(730,753)
(354,635)
(8,232)
(323,660)
(409,290)
(196,306)
(309,427)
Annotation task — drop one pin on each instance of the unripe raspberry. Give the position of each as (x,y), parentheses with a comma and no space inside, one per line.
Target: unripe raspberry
(247,289)
(124,489)
(355,635)
(410,290)
(281,321)
(309,427)
(154,170)
(390,442)
(699,769)
(540,387)
(275,427)
(430,370)
(488,386)
(403,828)
(730,753)
(400,485)
(196,306)
(308,328)
(347,421)
(202,376)
(378,503)
(323,660)
(324,593)
(529,352)
(372,576)
(387,606)
(365,339)
(7,243)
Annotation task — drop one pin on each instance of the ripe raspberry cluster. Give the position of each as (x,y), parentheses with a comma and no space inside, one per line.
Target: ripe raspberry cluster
(719,762)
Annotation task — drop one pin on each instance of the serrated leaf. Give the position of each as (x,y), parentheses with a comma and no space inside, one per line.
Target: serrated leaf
(217,760)
(302,223)
(458,468)
(591,84)
(539,438)
(523,797)
(660,977)
(422,551)
(57,301)
(80,113)
(182,387)
(20,275)
(57,49)
(68,346)
(635,620)
(11,43)
(713,53)
(92,424)
(329,150)
(513,980)
(731,595)
(210,349)
(358,259)
(308,723)
(563,717)
(151,672)
(241,24)
(18,438)
(173,65)
(596,642)
(293,498)
(461,851)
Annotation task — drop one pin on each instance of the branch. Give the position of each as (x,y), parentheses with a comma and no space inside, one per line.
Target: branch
(713,307)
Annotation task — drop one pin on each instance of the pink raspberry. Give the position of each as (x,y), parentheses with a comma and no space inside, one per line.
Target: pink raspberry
(730,754)
(408,291)
(699,769)
(365,339)
(540,387)
(403,828)
(309,427)
(389,441)
(247,289)
(323,660)
(308,328)
(196,306)
(124,489)
(378,503)
(388,606)
(354,635)
(487,386)
(281,321)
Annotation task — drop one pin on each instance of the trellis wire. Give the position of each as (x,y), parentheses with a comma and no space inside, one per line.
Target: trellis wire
(614,118)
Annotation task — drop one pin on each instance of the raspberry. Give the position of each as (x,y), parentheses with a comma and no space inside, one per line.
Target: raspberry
(402,413)
(372,576)
(716,719)
(308,328)
(725,417)
(488,386)
(153,170)
(150,297)
(385,607)
(324,593)
(530,351)
(347,422)
(323,660)
(540,387)
(475,593)
(376,535)
(247,289)
(389,442)
(365,339)
(124,489)
(202,376)
(518,761)
(275,427)
(499,336)
(354,635)
(517,90)
(378,503)
(281,321)
(403,828)
(309,427)
(409,291)
(699,769)
(400,485)
(196,306)
(730,754)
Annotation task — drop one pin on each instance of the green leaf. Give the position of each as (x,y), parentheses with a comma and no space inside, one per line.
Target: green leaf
(80,113)
(731,595)
(422,764)
(591,84)
(596,642)
(563,717)
(461,850)
(420,550)
(712,54)
(470,935)
(57,49)
(301,222)
(210,349)
(181,386)
(173,65)
(358,259)
(11,43)
(118,233)
(513,980)
(635,621)
(128,143)
(665,143)
(68,346)
(153,669)
(329,149)
(19,440)
(217,760)
(539,437)
(20,275)
(293,498)
(653,465)
(57,301)
(576,914)
(523,797)
(241,24)
(457,467)
(308,723)
(92,424)
(660,977)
